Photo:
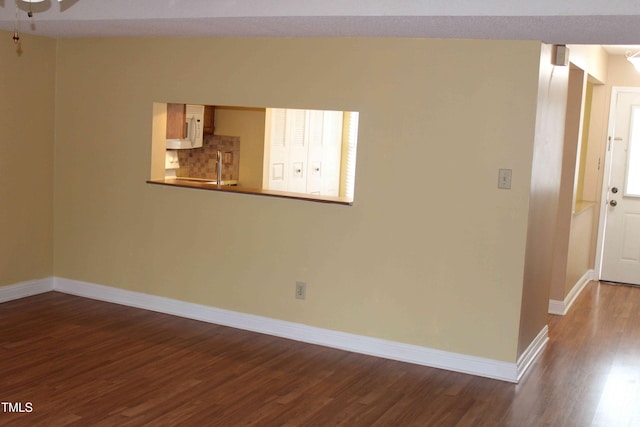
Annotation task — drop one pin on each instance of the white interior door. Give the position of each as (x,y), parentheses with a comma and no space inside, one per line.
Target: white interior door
(621,244)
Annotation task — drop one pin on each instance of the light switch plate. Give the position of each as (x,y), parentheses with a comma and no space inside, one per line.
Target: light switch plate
(301,290)
(504,179)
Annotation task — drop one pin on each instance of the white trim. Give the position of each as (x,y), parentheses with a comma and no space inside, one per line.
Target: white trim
(556,307)
(537,345)
(562,307)
(25,289)
(345,341)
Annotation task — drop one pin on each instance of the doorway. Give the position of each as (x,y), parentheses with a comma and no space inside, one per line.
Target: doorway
(619,229)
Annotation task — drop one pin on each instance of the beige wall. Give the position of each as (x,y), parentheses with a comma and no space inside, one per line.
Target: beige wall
(248,124)
(582,239)
(621,72)
(545,190)
(26,158)
(583,194)
(572,136)
(590,58)
(597,142)
(431,253)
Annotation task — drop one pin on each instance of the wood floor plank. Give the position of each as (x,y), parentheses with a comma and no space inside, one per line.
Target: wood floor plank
(83,362)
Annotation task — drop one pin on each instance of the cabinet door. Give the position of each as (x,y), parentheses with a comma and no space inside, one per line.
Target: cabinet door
(209,120)
(176,121)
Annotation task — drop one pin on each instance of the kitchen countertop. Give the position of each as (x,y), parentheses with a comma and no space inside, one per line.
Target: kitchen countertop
(231,187)
(206,180)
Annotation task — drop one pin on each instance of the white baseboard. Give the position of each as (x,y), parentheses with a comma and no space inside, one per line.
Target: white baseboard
(562,307)
(345,341)
(531,353)
(490,368)
(25,289)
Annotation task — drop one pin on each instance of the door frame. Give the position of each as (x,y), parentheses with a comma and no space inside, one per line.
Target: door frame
(606,174)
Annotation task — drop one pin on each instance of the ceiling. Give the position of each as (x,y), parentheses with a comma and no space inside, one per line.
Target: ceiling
(610,22)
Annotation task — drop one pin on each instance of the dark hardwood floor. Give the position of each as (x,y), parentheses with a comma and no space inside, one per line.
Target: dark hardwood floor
(81,362)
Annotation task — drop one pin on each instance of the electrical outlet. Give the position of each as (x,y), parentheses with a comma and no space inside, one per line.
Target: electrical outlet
(301,290)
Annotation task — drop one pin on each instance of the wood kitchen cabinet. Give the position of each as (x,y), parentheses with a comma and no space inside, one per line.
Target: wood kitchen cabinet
(176,121)
(209,120)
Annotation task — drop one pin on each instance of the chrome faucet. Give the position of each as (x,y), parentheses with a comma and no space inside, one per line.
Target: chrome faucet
(219,167)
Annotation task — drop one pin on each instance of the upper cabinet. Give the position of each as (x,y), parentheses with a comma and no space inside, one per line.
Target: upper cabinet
(176,121)
(209,120)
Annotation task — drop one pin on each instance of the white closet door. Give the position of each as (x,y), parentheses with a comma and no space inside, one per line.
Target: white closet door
(278,154)
(331,152)
(298,148)
(315,154)
(305,150)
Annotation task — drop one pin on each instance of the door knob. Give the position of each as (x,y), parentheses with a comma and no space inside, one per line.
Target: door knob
(613,203)
(614,190)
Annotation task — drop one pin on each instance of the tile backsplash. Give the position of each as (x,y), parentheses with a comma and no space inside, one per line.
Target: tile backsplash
(201,162)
